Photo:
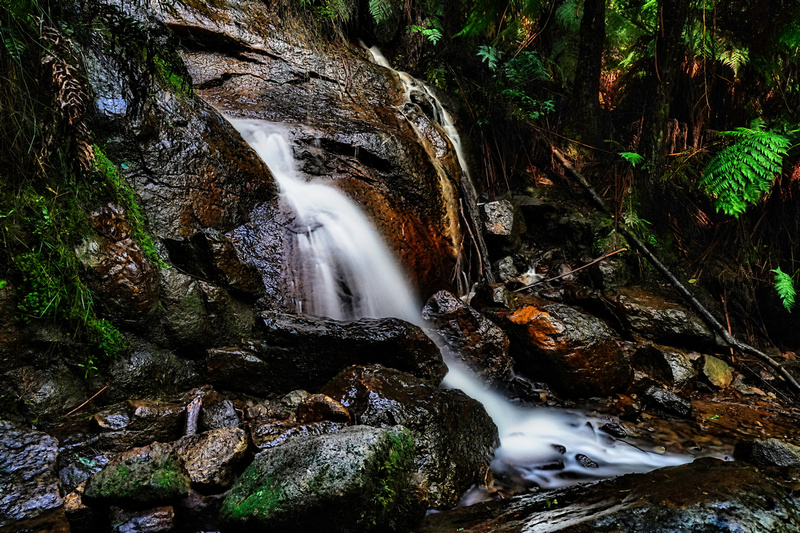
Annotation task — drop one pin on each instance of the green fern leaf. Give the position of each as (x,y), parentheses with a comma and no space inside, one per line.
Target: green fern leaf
(785,288)
(741,173)
(381,10)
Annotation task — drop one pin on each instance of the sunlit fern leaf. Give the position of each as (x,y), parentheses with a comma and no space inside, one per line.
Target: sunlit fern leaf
(785,288)
(380,10)
(741,173)
(735,58)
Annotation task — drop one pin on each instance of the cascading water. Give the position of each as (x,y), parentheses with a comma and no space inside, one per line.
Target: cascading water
(344,271)
(341,267)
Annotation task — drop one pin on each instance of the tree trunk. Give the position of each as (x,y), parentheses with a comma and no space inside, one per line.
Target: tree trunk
(583,120)
(669,54)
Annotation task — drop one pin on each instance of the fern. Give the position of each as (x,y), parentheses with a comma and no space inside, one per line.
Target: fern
(741,173)
(631,157)
(785,288)
(381,10)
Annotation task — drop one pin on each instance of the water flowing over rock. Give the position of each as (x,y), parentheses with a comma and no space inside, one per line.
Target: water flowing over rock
(355,479)
(707,495)
(454,435)
(350,123)
(30,498)
(480,343)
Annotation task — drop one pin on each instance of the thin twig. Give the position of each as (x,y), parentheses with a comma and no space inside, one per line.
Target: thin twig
(96,394)
(587,265)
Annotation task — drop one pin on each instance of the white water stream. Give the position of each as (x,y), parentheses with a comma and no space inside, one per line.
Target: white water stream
(343,270)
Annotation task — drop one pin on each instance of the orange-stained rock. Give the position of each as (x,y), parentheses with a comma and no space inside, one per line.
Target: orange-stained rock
(319,407)
(573,352)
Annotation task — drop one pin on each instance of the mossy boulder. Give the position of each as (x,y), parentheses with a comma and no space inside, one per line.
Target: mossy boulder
(151,474)
(352,480)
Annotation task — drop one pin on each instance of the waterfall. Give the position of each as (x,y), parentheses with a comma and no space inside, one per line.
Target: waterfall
(343,270)
(340,266)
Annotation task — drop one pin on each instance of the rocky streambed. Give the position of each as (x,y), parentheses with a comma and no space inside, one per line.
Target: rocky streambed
(231,411)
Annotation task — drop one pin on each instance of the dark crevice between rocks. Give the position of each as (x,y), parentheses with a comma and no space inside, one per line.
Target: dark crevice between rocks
(204,40)
(365,157)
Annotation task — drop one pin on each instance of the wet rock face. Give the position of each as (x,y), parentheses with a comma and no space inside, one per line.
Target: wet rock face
(306,351)
(211,457)
(503,224)
(663,320)
(189,167)
(151,474)
(139,422)
(573,352)
(669,365)
(30,495)
(199,314)
(124,280)
(149,371)
(708,495)
(454,435)
(767,452)
(667,402)
(351,128)
(355,479)
(480,343)
(156,520)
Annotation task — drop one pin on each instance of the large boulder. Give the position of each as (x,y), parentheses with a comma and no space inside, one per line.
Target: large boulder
(149,475)
(472,337)
(349,123)
(30,499)
(354,480)
(454,435)
(708,495)
(307,351)
(572,351)
(662,319)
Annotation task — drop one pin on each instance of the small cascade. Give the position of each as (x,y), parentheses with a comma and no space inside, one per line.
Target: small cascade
(419,94)
(343,270)
(340,266)
(539,446)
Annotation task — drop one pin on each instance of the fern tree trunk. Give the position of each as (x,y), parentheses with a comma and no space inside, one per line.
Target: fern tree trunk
(583,120)
(669,54)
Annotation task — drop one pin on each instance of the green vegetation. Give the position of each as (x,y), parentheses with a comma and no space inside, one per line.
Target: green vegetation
(740,174)
(263,501)
(53,175)
(784,285)
(391,475)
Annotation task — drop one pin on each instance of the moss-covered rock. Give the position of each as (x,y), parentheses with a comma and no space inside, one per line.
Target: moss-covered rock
(150,474)
(353,480)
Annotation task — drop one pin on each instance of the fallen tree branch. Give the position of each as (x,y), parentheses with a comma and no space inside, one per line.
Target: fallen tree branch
(565,274)
(96,394)
(709,318)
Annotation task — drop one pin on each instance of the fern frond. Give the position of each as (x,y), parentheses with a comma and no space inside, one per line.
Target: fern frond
(741,173)
(785,288)
(380,10)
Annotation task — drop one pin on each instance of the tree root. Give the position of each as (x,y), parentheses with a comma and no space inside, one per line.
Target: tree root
(705,314)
